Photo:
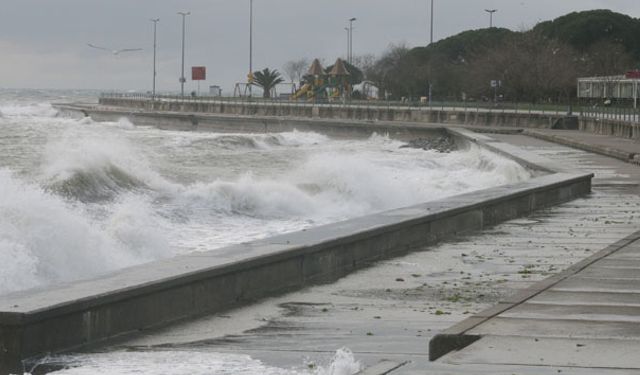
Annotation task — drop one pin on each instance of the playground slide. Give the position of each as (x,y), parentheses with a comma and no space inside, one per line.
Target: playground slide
(303,90)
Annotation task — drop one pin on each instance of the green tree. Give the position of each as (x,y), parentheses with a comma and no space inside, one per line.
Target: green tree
(267,79)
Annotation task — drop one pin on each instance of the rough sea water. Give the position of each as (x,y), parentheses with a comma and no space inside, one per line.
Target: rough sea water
(80,198)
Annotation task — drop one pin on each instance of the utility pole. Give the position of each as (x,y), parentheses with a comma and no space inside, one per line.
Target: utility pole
(250,76)
(430,69)
(348,44)
(155,24)
(182,79)
(491,12)
(350,58)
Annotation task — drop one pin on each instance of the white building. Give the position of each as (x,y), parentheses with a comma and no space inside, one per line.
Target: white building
(611,87)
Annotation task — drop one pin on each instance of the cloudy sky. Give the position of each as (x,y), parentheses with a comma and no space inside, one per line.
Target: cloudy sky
(43,43)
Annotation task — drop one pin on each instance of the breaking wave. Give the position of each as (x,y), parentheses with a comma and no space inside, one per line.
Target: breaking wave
(50,241)
(256,141)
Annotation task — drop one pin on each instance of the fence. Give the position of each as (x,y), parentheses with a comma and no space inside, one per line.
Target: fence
(615,113)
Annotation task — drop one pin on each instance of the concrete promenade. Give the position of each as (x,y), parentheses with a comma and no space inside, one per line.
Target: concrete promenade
(391,311)
(620,148)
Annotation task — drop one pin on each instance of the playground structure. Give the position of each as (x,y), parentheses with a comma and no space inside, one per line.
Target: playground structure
(241,89)
(322,85)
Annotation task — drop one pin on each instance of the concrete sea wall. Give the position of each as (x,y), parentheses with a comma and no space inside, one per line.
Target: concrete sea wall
(622,129)
(346,112)
(91,312)
(456,116)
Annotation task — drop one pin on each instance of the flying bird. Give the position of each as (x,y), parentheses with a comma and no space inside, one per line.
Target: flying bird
(115,51)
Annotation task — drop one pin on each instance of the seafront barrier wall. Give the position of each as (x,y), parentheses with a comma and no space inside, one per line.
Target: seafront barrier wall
(623,129)
(620,127)
(436,115)
(94,312)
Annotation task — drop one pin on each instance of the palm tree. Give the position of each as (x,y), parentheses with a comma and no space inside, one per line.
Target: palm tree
(267,79)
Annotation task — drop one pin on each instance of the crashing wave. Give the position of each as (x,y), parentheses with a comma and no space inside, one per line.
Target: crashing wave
(97,184)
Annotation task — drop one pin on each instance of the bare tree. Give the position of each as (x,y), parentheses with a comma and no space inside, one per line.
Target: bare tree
(364,62)
(295,69)
(530,67)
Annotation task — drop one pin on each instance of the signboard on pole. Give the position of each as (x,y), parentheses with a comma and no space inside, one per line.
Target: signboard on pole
(198,73)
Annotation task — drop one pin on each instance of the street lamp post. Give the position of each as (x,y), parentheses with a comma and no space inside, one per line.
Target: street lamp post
(250,77)
(155,24)
(182,79)
(350,58)
(491,12)
(430,43)
(348,44)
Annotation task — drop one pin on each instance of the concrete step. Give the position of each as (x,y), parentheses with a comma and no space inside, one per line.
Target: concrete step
(601,354)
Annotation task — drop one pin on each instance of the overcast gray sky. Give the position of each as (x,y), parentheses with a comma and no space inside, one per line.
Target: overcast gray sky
(43,43)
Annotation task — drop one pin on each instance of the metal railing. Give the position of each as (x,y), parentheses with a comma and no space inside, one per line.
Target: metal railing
(616,113)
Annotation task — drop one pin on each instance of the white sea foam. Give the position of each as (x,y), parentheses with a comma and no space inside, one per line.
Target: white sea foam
(49,241)
(27,109)
(194,363)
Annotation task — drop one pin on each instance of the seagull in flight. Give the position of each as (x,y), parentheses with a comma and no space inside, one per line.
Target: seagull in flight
(115,51)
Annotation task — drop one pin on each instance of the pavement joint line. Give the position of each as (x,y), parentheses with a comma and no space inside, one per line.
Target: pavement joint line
(384,367)
(456,337)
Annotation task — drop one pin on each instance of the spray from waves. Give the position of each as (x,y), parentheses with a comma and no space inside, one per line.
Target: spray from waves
(27,109)
(329,186)
(190,362)
(96,166)
(48,241)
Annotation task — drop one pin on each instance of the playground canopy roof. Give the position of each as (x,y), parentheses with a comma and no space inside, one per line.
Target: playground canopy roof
(316,68)
(339,69)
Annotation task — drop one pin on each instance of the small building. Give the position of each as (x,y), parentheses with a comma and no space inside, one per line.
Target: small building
(624,86)
(215,90)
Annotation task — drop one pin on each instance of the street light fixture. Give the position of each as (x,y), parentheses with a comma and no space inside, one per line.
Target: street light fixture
(350,58)
(155,24)
(491,12)
(182,79)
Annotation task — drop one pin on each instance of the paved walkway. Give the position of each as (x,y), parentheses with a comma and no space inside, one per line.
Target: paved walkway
(620,148)
(587,317)
(392,310)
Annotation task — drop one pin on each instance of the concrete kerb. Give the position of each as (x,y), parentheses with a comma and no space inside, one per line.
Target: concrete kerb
(68,317)
(456,337)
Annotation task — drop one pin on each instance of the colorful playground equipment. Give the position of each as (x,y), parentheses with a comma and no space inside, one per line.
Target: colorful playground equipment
(322,85)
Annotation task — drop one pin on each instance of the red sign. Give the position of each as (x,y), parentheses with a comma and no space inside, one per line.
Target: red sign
(198,73)
(633,74)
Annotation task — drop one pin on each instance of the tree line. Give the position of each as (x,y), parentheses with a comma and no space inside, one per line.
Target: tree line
(541,64)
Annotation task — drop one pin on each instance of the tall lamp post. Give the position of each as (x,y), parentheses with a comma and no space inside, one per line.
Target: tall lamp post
(182,79)
(348,44)
(250,76)
(155,24)
(430,43)
(351,39)
(491,12)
